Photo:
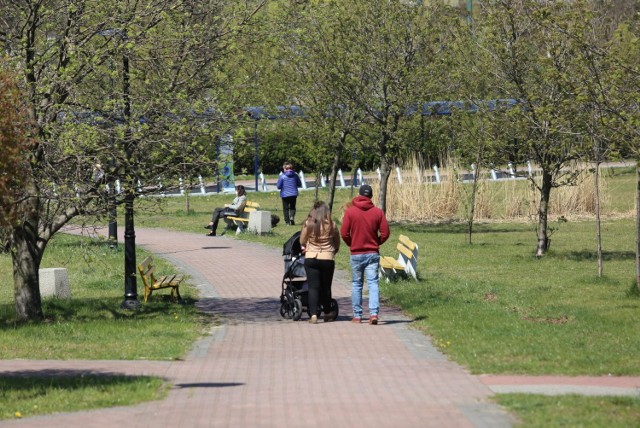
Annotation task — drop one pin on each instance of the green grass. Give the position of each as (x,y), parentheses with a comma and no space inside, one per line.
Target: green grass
(504,311)
(25,396)
(91,325)
(538,411)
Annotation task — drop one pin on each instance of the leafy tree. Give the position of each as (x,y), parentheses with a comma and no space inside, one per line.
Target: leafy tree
(133,86)
(14,140)
(624,117)
(537,62)
(359,64)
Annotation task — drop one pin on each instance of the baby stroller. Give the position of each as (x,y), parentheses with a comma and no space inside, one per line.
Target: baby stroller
(295,292)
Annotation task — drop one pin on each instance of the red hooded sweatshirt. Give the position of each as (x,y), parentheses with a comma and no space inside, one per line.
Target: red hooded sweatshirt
(364,226)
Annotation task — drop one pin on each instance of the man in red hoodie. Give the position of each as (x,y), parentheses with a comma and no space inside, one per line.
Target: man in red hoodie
(364,228)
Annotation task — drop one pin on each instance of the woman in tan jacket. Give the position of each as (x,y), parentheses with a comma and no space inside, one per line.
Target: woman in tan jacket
(320,240)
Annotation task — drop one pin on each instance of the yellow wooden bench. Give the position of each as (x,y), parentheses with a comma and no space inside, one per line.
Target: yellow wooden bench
(241,221)
(405,265)
(172,281)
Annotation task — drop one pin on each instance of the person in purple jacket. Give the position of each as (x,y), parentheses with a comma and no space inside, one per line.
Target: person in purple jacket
(288,184)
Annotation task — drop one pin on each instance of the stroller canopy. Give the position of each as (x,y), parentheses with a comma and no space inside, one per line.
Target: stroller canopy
(292,247)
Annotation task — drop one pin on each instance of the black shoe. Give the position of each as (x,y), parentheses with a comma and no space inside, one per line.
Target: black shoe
(292,223)
(208,226)
(211,234)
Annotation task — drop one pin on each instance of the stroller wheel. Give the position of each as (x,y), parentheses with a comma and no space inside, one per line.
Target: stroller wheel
(297,309)
(286,311)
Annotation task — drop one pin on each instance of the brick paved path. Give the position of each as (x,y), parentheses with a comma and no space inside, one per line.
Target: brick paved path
(259,370)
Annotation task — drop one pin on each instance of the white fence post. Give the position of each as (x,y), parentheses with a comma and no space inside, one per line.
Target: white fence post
(399,175)
(437,173)
(118,186)
(511,173)
(360,180)
(379,175)
(304,183)
(494,176)
(181,183)
(341,178)
(323,182)
(203,190)
(263,182)
(530,168)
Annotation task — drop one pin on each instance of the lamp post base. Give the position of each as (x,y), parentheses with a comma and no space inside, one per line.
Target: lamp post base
(131,305)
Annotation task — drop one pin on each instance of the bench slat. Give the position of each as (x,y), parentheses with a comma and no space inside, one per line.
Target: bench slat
(406,263)
(390,263)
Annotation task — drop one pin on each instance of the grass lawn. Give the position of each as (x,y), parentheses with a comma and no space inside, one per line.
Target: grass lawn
(29,396)
(91,325)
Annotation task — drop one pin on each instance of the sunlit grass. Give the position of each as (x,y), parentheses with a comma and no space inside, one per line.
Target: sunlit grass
(91,325)
(25,396)
(537,411)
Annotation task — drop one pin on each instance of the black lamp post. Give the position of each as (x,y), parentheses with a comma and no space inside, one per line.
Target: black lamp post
(130,289)
(113,217)
(255,145)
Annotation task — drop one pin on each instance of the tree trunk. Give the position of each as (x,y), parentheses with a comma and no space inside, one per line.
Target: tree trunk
(638,223)
(26,257)
(598,225)
(543,214)
(334,169)
(474,192)
(385,172)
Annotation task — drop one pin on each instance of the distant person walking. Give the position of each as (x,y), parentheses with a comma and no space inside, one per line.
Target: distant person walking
(364,228)
(288,184)
(320,242)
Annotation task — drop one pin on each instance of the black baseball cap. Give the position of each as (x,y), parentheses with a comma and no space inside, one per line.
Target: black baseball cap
(366,190)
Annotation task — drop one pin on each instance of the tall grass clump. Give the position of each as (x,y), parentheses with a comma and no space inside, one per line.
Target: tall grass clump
(519,199)
(580,199)
(417,199)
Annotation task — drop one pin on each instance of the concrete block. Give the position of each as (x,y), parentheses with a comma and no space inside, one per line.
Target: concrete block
(54,282)
(259,222)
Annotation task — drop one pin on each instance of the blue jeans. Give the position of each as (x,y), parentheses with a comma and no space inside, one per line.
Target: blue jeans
(365,265)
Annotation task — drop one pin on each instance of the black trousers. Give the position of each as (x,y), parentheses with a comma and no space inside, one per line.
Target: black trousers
(319,279)
(289,209)
(219,213)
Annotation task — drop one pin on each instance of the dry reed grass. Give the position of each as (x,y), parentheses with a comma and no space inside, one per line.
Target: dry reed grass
(419,199)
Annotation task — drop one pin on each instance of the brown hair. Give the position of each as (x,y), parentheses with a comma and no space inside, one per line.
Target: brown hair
(241,190)
(319,218)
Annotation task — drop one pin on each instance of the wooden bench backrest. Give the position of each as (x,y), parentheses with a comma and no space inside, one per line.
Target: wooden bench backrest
(408,255)
(250,206)
(146,271)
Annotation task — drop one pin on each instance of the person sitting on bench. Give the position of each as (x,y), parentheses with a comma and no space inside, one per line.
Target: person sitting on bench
(234,209)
